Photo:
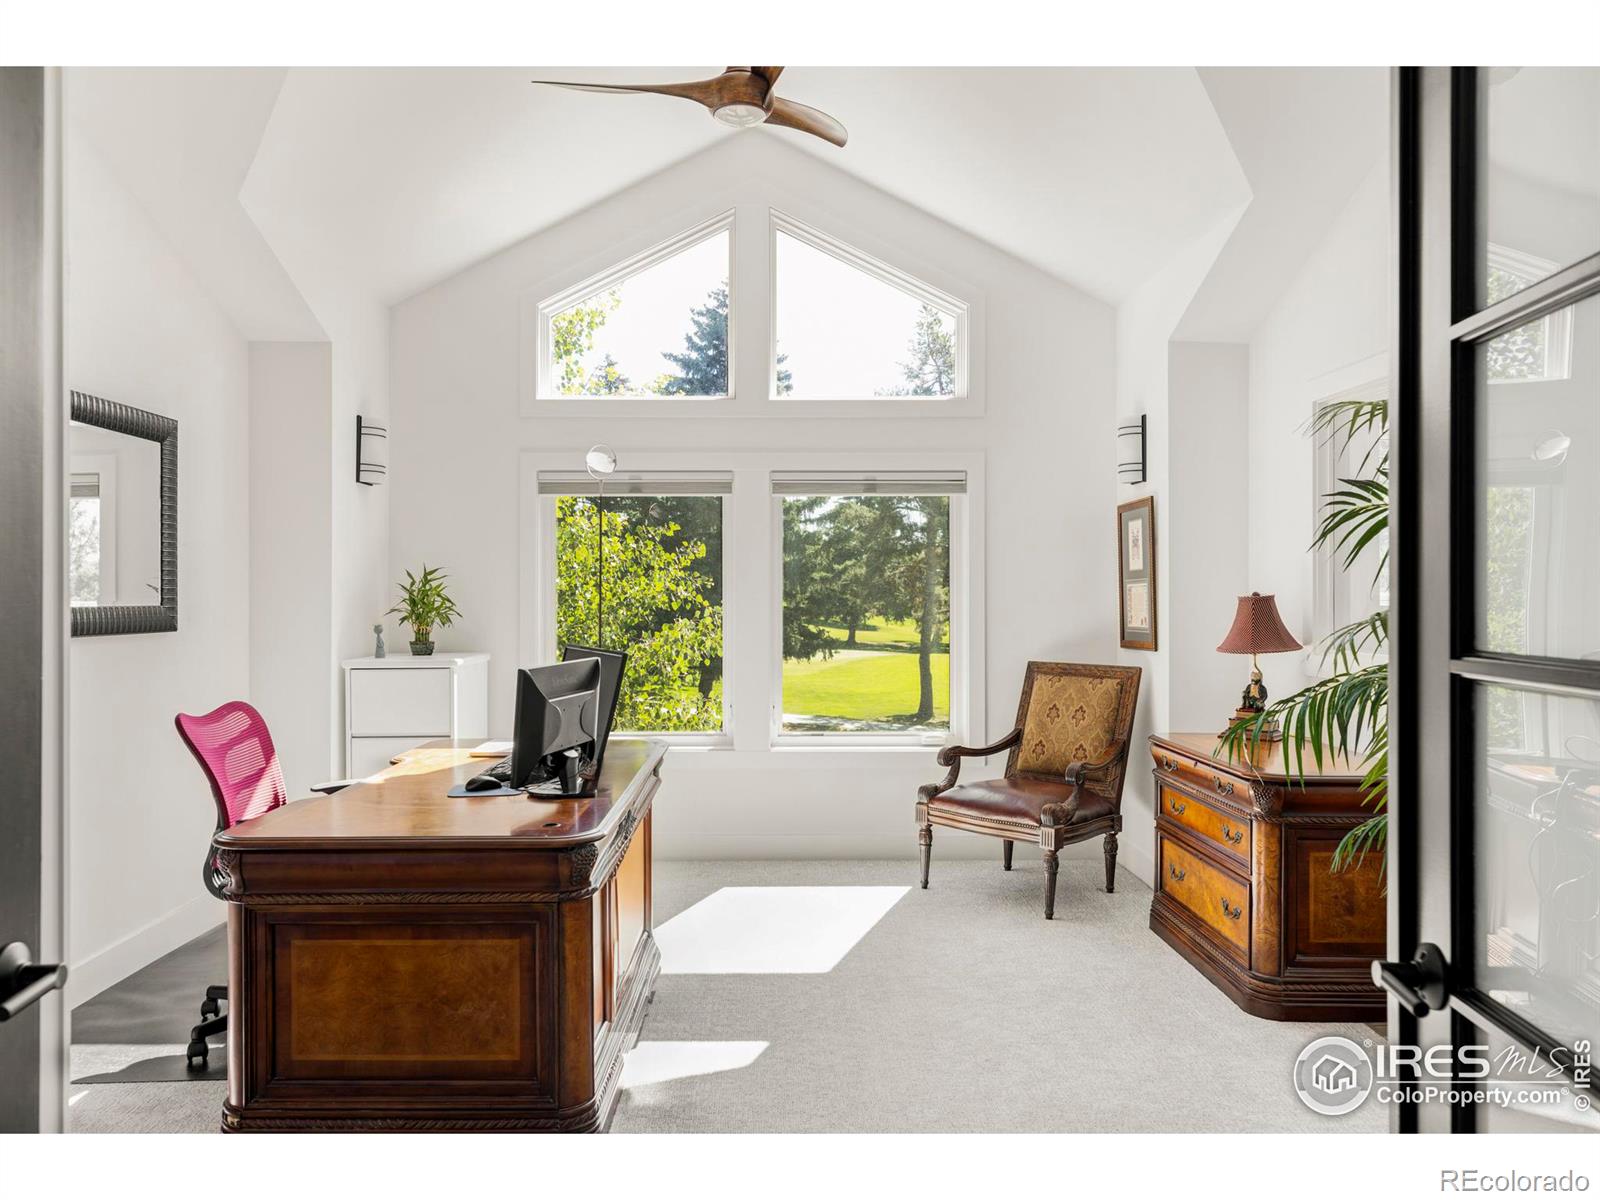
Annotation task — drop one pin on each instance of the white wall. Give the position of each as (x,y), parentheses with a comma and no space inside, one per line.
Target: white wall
(1145,322)
(139,330)
(1210,476)
(1327,333)
(356,323)
(292,487)
(1048,439)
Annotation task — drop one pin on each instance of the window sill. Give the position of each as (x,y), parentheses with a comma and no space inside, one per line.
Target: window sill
(684,741)
(833,745)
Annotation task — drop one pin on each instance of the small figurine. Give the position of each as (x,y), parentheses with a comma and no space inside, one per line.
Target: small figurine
(380,652)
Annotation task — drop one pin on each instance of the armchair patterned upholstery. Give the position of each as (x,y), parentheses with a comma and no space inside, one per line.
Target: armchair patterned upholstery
(1064,774)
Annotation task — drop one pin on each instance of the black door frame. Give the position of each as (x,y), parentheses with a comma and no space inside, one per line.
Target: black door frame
(1438,140)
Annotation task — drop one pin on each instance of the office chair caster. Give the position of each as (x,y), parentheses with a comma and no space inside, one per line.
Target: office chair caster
(213,1000)
(197,1050)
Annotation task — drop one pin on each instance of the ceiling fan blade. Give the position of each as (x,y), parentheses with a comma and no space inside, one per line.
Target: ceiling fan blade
(701,91)
(806,119)
(770,74)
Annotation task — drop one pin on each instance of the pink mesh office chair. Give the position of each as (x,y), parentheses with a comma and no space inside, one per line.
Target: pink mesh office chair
(233,747)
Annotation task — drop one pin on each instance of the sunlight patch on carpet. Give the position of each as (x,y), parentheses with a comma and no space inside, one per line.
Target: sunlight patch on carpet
(771,930)
(657,1062)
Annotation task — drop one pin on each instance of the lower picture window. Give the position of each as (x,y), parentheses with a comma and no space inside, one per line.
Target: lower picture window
(644,574)
(866,614)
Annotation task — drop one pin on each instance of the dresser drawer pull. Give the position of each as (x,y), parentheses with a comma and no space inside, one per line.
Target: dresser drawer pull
(1232,835)
(1175,806)
(1176,872)
(1169,762)
(1224,786)
(1231,911)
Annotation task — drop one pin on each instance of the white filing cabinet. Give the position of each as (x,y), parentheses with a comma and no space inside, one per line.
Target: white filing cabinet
(392,704)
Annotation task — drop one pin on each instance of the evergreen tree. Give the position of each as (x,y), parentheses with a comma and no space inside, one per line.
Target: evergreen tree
(932,369)
(703,364)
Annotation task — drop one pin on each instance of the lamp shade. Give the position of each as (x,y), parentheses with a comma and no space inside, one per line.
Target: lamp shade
(1257,628)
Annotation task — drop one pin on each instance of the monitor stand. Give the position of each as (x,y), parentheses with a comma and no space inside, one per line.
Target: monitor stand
(566,776)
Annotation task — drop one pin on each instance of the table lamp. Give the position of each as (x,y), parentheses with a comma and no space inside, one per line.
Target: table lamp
(1257,629)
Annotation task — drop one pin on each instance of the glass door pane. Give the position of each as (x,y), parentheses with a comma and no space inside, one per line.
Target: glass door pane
(1539,182)
(1538,487)
(1536,842)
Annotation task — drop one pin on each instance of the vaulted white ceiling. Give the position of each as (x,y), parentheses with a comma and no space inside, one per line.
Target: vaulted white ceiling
(392,179)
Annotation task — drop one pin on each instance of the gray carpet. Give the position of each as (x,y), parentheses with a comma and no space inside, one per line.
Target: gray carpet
(958,1009)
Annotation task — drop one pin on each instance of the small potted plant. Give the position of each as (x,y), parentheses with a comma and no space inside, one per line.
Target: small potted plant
(424,603)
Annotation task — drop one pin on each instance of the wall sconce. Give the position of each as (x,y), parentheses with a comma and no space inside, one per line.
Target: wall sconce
(1130,450)
(372,452)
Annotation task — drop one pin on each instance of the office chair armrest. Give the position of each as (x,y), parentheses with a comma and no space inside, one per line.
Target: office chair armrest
(951,756)
(332,786)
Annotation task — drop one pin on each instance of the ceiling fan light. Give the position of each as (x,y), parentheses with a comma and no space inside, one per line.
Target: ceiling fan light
(740,116)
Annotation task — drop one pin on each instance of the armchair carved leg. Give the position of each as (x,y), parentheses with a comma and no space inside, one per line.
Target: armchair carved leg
(1051,866)
(925,840)
(1111,863)
(1005,854)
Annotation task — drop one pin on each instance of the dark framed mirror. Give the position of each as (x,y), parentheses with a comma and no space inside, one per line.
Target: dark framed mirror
(122,519)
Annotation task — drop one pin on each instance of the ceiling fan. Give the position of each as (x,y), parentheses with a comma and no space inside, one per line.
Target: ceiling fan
(740,97)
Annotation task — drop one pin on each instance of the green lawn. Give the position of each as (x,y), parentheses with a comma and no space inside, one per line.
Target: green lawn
(885,633)
(862,685)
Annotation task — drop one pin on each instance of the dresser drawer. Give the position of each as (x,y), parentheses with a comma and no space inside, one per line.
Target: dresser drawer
(1230,834)
(369,755)
(396,702)
(1210,893)
(1197,773)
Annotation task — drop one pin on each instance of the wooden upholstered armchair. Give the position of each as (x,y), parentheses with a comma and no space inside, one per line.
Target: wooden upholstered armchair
(1063,780)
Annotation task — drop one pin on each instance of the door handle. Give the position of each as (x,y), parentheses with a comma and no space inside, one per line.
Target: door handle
(23,981)
(1419,985)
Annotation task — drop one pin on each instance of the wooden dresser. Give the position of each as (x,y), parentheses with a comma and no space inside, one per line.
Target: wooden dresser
(403,960)
(1243,888)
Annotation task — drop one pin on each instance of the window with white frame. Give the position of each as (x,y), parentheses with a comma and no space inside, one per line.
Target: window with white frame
(85,540)
(1346,592)
(655,325)
(1535,352)
(865,604)
(638,566)
(848,327)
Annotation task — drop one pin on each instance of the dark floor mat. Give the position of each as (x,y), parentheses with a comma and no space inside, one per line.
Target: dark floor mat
(159,1004)
(165,1068)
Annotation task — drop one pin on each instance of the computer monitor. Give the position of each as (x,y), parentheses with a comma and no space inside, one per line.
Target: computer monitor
(557,724)
(613,664)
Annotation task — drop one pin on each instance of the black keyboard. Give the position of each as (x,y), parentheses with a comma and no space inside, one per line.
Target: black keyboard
(501,771)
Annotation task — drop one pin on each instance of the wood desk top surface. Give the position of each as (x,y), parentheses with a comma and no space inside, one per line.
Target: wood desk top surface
(408,806)
(1266,762)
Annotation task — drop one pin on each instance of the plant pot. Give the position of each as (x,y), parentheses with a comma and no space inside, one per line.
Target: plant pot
(421,649)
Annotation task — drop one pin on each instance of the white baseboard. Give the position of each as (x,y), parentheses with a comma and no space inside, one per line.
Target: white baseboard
(142,947)
(947,843)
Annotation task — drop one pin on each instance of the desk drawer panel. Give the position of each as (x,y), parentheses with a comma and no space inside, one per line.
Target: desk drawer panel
(1213,895)
(402,996)
(1229,833)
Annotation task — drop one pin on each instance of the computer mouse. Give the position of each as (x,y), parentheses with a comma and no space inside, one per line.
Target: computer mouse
(484,783)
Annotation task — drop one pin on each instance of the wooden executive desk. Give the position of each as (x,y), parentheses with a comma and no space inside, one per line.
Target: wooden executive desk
(398,960)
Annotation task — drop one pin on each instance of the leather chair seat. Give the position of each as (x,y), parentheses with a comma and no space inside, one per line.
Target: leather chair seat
(1018,800)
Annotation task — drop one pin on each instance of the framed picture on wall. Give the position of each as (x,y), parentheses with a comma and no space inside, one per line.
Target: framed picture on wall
(1136,573)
